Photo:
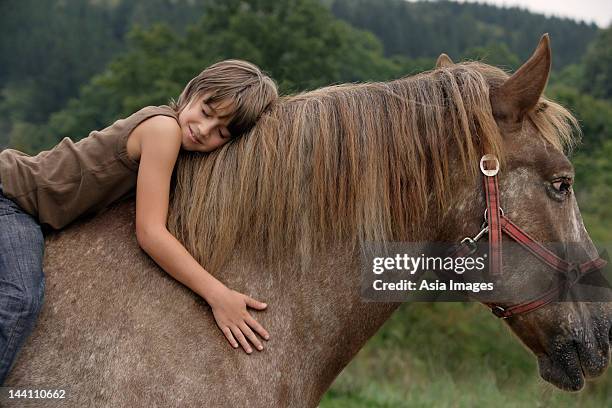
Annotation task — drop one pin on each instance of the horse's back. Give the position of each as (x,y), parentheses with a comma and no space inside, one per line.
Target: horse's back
(116,330)
(114,327)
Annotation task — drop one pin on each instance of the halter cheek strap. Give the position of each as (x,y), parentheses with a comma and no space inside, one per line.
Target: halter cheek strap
(496,223)
(493,214)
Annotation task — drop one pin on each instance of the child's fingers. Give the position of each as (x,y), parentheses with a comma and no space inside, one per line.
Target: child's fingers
(229,336)
(246,330)
(241,339)
(257,327)
(255,304)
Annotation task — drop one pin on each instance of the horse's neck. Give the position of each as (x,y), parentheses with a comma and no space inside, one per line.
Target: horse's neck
(316,315)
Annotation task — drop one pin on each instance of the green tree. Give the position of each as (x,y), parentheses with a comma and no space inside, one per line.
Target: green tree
(427,28)
(298,42)
(597,79)
(497,54)
(594,115)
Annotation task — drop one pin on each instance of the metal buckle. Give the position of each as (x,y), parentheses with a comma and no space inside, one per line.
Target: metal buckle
(489,172)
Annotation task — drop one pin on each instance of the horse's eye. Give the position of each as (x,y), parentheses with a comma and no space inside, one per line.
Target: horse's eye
(562,185)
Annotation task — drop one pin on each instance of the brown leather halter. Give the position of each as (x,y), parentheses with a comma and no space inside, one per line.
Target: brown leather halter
(496,223)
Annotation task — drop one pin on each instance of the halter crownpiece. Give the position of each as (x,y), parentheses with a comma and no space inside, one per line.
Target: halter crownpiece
(496,223)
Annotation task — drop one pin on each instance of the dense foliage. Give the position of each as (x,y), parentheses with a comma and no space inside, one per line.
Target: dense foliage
(597,78)
(425,29)
(49,50)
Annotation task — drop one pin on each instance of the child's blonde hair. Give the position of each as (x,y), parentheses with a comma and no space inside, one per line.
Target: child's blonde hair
(244,84)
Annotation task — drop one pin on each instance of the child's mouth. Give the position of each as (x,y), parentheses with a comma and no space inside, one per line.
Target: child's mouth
(192,137)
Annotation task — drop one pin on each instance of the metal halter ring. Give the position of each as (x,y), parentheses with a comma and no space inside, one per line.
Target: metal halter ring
(489,172)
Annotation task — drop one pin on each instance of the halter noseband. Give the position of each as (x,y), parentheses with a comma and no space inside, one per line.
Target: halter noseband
(496,223)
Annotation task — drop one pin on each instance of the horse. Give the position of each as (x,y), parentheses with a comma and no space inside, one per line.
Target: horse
(282,214)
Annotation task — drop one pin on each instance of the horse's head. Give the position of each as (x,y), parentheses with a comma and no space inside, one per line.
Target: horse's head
(570,339)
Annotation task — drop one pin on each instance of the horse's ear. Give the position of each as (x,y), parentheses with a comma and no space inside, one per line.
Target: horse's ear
(522,91)
(444,61)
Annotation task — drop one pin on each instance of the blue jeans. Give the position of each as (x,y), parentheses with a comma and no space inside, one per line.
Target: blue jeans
(22,282)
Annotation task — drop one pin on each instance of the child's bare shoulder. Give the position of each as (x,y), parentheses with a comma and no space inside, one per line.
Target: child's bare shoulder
(152,128)
(159,124)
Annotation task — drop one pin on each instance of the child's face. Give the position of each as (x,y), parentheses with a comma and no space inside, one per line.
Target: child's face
(204,125)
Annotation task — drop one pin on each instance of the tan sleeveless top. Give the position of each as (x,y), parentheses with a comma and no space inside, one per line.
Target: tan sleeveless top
(73,179)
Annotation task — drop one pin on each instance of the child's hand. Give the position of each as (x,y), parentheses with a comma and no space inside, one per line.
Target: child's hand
(230,310)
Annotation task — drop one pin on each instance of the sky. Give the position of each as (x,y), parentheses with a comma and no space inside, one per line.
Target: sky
(597,11)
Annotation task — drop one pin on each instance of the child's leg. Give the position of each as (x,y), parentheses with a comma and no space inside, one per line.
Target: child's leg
(22,281)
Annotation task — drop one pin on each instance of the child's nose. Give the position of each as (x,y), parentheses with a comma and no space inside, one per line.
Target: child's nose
(206,127)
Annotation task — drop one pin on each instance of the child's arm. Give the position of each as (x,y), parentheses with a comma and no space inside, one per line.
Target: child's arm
(160,141)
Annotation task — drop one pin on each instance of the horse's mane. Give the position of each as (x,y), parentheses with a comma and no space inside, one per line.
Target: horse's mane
(344,164)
